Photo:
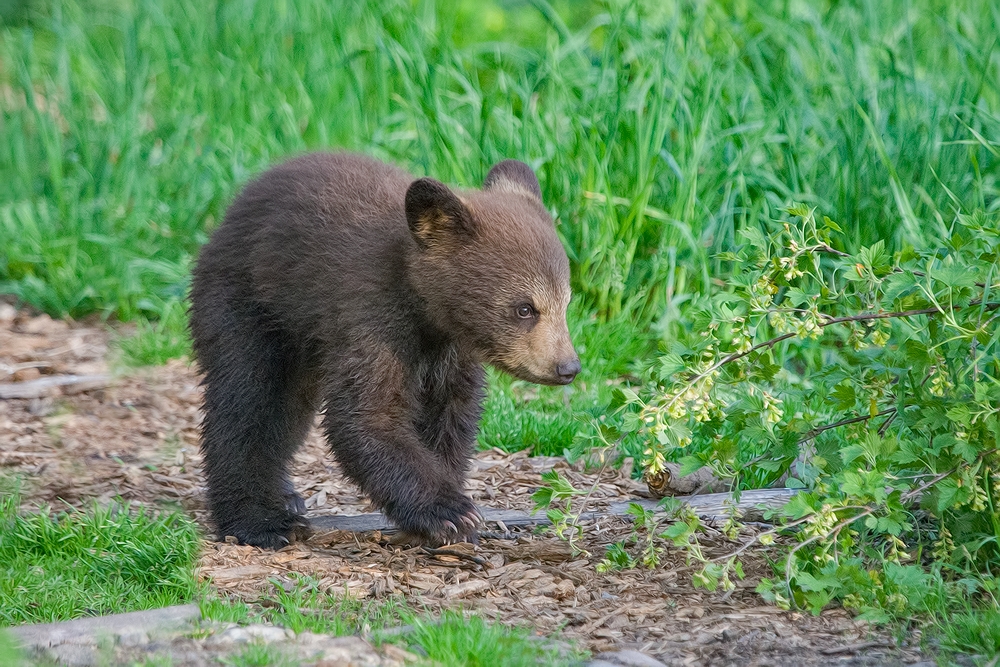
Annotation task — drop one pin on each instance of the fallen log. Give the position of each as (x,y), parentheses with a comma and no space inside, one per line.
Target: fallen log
(708,506)
(53,385)
(90,630)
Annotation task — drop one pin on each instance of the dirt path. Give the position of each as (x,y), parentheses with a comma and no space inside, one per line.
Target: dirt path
(137,438)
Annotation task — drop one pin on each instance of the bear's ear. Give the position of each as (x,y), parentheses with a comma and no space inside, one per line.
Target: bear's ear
(435,214)
(513,176)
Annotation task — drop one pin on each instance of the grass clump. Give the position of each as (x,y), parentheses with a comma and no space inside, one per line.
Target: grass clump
(258,655)
(457,640)
(157,340)
(448,639)
(305,607)
(56,567)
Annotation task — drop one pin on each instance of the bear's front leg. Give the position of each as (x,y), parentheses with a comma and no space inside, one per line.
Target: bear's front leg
(452,407)
(370,424)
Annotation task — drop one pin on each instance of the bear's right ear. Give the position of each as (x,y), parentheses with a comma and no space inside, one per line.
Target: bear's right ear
(435,214)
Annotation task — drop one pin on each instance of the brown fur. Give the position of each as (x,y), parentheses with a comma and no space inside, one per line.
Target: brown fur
(339,283)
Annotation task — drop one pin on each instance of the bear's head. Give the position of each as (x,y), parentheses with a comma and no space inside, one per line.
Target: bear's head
(493,273)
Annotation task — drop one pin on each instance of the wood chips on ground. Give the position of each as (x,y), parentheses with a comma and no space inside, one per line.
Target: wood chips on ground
(137,439)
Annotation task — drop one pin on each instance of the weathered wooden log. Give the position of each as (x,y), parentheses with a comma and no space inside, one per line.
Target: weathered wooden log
(709,506)
(53,385)
(90,630)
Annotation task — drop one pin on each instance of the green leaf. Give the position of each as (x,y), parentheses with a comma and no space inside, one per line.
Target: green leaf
(690,464)
(844,396)
(953,276)
(851,453)
(964,448)
(671,364)
(629,395)
(678,532)
(947,489)
(830,224)
(542,498)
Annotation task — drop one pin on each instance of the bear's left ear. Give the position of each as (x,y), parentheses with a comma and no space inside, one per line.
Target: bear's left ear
(435,214)
(513,176)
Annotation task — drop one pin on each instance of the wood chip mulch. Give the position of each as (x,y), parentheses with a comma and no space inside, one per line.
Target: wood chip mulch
(137,439)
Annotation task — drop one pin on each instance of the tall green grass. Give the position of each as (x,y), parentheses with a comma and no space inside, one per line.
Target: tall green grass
(657,129)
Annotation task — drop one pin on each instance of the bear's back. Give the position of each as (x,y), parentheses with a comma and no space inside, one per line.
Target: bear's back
(317,242)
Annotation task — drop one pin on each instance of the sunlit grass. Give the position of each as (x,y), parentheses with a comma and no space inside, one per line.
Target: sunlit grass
(57,566)
(657,130)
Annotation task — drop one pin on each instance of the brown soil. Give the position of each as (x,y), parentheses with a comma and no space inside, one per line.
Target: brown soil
(137,439)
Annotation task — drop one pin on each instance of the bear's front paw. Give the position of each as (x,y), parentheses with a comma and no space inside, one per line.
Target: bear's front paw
(272,533)
(448,519)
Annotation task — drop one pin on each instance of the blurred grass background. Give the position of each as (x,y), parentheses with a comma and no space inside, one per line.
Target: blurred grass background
(658,129)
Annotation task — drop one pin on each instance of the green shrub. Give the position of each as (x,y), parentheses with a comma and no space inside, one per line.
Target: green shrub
(872,380)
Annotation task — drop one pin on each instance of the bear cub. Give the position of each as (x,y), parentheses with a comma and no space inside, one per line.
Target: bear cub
(339,284)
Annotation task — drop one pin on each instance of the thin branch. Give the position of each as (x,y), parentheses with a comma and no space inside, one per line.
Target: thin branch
(914,493)
(863,317)
(825,248)
(885,425)
(844,422)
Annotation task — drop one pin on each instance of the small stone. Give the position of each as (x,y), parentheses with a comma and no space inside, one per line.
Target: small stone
(231,636)
(268,633)
(353,651)
(629,658)
(7,313)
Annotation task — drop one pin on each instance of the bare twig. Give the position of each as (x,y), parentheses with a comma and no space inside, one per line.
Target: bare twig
(844,422)
(862,317)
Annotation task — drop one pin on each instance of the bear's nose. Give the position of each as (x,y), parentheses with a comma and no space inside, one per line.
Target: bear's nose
(567,370)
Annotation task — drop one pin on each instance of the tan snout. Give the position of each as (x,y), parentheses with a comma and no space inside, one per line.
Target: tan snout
(549,357)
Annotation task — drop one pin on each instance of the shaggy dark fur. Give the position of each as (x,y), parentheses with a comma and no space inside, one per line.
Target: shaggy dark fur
(341,284)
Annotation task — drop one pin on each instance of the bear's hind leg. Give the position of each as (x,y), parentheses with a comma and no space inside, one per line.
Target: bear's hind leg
(259,404)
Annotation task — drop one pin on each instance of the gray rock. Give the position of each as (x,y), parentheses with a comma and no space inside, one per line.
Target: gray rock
(629,658)
(262,634)
(350,651)
(268,633)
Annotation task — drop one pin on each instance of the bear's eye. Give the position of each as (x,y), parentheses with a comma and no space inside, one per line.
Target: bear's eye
(526,311)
